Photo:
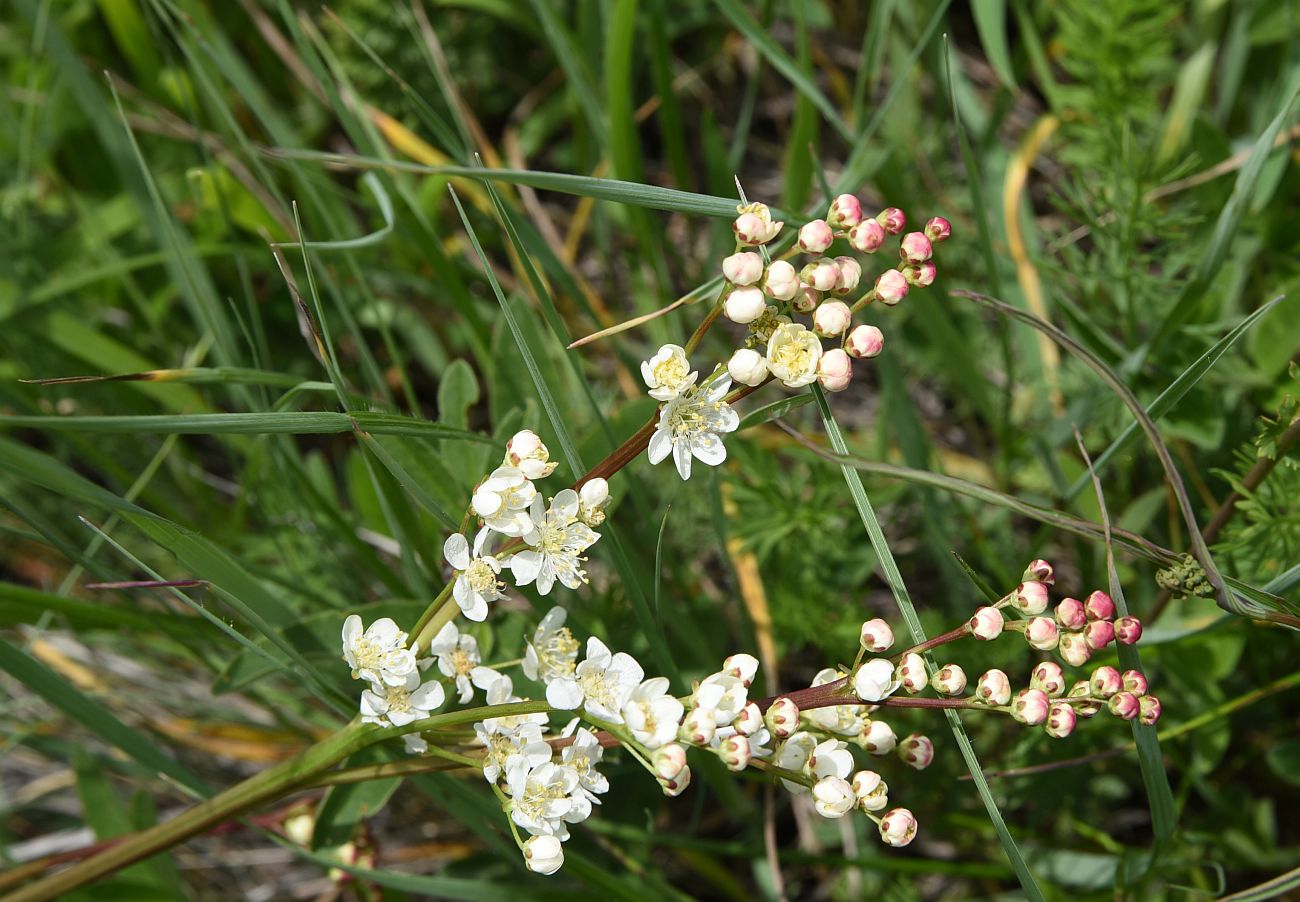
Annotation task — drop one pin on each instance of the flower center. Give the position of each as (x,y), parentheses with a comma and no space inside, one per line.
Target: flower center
(557,655)
(461,662)
(481,577)
(536,795)
(399,700)
(598,688)
(793,356)
(670,373)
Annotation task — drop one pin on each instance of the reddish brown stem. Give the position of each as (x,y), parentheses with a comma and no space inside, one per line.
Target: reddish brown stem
(951,636)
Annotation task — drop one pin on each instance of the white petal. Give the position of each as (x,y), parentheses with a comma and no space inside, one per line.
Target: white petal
(682,458)
(565,694)
(525,566)
(484,677)
(351,630)
(660,445)
(709,449)
(566,504)
(485,503)
(428,696)
(445,642)
(474,607)
(456,551)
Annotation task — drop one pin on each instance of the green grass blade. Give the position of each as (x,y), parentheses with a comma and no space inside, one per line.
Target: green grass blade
(991,23)
(317,422)
(385,204)
(780,60)
(94,716)
(894,579)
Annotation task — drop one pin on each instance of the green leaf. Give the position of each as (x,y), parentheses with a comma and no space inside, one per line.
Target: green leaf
(345,806)
(991,23)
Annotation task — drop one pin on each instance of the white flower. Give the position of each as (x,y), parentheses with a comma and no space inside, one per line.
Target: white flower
(556,543)
(876,680)
(498,689)
(878,738)
(543,854)
(500,746)
(872,792)
(833,797)
(843,719)
(552,653)
(458,656)
(503,499)
(602,683)
(667,374)
(415,744)
(379,654)
(722,696)
(542,798)
(691,425)
(476,575)
(592,498)
(399,705)
(754,225)
(792,755)
(526,451)
(793,354)
(830,758)
(747,366)
(583,754)
(652,714)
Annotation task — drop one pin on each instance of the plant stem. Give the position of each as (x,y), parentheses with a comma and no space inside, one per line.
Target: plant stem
(434,612)
(951,636)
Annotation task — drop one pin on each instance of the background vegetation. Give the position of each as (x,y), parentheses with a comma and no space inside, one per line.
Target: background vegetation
(1120,168)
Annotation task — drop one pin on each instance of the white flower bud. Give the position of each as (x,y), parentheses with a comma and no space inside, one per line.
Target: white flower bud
(735,752)
(1030,706)
(987,623)
(1049,677)
(675,786)
(698,727)
(822,275)
(845,212)
(891,287)
(815,237)
(669,760)
(870,790)
(867,236)
(749,721)
(806,299)
(875,680)
(782,718)
(878,738)
(850,275)
(594,492)
(912,673)
(1073,648)
(950,680)
(917,751)
(832,318)
(1030,597)
(835,369)
(747,366)
(526,451)
(543,854)
(782,281)
(1061,719)
(744,268)
(744,305)
(876,636)
(1040,633)
(898,827)
(865,341)
(993,688)
(833,796)
(742,666)
(754,225)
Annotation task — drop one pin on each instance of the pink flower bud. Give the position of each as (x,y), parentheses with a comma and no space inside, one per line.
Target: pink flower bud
(1040,571)
(735,752)
(1061,718)
(993,688)
(820,274)
(876,635)
(1149,709)
(1074,649)
(865,341)
(782,718)
(677,785)
(867,236)
(877,737)
(850,275)
(1030,707)
(742,666)
(915,248)
(917,751)
(938,229)
(1099,606)
(1099,634)
(782,281)
(1083,689)
(832,318)
(891,287)
(755,226)
(892,219)
(698,727)
(950,680)
(920,275)
(1049,677)
(871,792)
(1070,614)
(744,305)
(668,761)
(1105,681)
(806,299)
(1040,633)
(987,623)
(898,827)
(845,212)
(912,673)
(834,369)
(744,268)
(1125,705)
(1128,630)
(749,721)
(815,237)
(1135,681)
(1031,597)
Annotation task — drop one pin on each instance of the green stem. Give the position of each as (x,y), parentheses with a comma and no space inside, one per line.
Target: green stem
(437,615)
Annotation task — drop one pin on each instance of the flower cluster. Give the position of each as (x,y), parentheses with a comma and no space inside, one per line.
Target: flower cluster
(693,417)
